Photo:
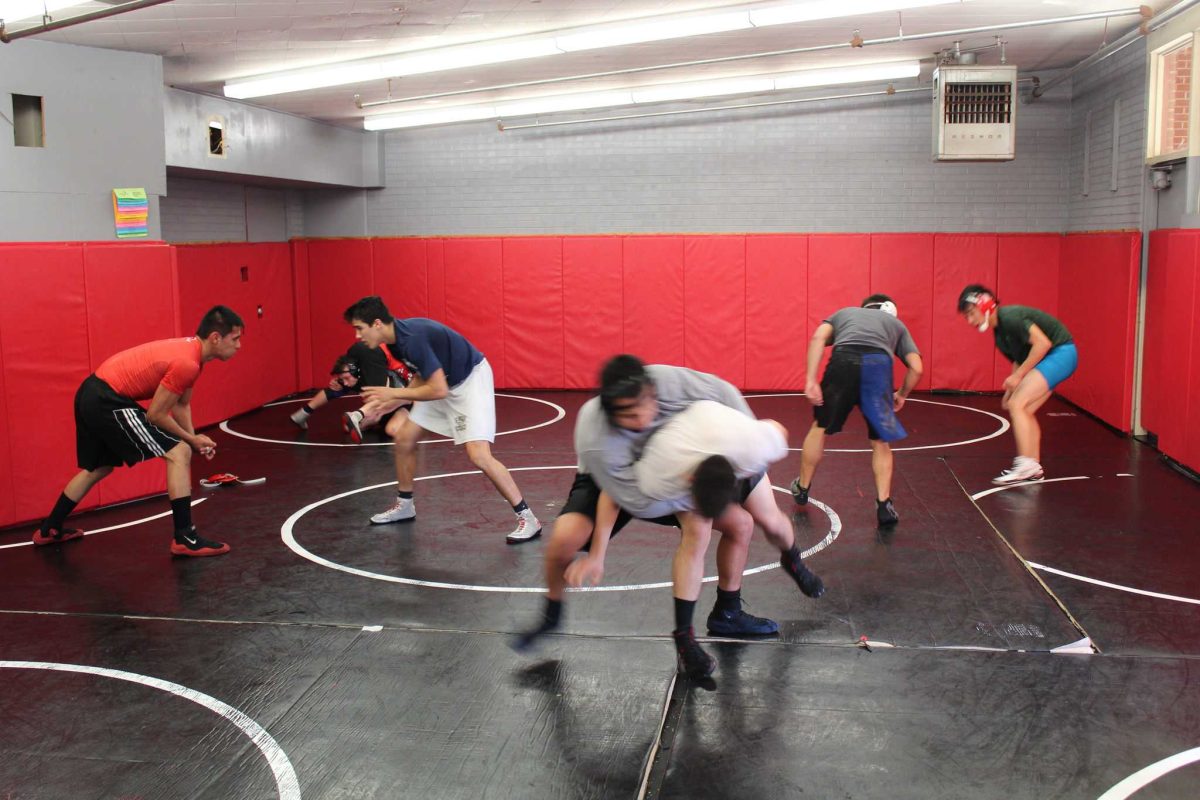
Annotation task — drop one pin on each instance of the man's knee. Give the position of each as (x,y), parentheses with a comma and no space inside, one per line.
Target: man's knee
(480,453)
(571,532)
(179,455)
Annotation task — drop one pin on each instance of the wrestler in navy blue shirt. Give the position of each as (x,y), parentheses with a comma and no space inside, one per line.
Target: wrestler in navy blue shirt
(427,346)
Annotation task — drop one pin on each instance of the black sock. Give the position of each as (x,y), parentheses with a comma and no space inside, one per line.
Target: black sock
(728,601)
(552,613)
(882,503)
(58,515)
(306,409)
(684,611)
(404,495)
(181,513)
(520,507)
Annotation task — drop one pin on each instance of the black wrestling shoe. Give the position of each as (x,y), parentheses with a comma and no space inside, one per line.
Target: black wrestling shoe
(808,581)
(736,622)
(691,658)
(886,511)
(799,493)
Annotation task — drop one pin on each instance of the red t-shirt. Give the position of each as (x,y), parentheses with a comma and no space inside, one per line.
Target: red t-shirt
(137,372)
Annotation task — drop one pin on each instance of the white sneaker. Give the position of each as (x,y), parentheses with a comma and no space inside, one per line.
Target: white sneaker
(352,424)
(301,419)
(527,528)
(402,510)
(1023,470)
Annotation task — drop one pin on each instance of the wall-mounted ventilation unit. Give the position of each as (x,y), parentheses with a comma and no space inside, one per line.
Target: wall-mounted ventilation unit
(974,113)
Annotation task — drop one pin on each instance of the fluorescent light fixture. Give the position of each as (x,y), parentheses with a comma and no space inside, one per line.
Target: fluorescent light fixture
(14,10)
(652,31)
(587,38)
(753,84)
(830,9)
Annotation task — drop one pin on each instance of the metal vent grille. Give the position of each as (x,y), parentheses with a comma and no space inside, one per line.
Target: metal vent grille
(974,103)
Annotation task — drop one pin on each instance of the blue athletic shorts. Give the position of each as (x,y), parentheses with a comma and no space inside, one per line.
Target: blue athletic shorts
(1058,364)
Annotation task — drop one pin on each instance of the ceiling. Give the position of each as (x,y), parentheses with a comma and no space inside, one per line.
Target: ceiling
(205,42)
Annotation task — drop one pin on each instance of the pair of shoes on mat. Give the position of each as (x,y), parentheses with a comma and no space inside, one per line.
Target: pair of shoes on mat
(55,535)
(190,543)
(404,509)
(1023,469)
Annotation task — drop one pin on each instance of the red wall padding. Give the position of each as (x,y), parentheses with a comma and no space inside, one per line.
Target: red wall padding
(435,278)
(1170,368)
(1098,277)
(340,271)
(8,508)
(1027,275)
(43,317)
(401,275)
(962,357)
(593,317)
(301,293)
(533,312)
(839,275)
(118,278)
(714,305)
(777,327)
(265,367)
(475,296)
(902,268)
(652,286)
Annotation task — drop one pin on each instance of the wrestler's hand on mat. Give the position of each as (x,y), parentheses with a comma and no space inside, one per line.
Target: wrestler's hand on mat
(205,446)
(897,401)
(813,392)
(587,570)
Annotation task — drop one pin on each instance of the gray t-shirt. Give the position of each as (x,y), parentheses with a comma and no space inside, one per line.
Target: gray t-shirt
(870,327)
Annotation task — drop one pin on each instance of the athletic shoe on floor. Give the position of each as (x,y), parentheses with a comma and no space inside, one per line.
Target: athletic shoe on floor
(690,657)
(799,493)
(736,622)
(190,543)
(527,641)
(55,536)
(403,509)
(886,511)
(1023,469)
(808,581)
(527,528)
(352,424)
(301,420)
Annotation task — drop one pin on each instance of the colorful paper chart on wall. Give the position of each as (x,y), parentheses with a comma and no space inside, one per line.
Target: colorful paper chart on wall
(131,211)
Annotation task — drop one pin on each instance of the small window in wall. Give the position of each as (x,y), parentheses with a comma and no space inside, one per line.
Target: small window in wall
(1171,100)
(28,127)
(216,137)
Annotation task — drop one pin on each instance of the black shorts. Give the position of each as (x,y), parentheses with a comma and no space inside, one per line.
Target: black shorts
(841,388)
(585,494)
(111,430)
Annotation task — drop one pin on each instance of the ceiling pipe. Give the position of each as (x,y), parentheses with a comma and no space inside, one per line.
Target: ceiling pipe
(45,27)
(1122,12)
(1149,23)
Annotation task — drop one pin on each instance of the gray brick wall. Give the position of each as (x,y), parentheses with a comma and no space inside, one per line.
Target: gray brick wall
(203,211)
(851,165)
(1094,91)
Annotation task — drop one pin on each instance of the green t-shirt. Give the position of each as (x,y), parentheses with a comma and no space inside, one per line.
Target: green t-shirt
(1012,331)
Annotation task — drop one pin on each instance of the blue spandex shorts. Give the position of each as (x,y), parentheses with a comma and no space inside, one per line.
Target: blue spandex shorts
(1058,364)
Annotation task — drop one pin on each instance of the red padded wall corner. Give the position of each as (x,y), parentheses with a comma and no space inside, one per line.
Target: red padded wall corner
(8,508)
(116,279)
(401,275)
(839,275)
(1027,275)
(300,297)
(1098,303)
(474,292)
(340,271)
(963,358)
(777,330)
(435,266)
(265,367)
(1190,456)
(1169,346)
(533,312)
(592,306)
(714,305)
(902,268)
(42,371)
(652,302)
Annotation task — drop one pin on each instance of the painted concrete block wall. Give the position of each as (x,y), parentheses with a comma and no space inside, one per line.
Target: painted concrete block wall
(197,210)
(851,165)
(103,112)
(1122,78)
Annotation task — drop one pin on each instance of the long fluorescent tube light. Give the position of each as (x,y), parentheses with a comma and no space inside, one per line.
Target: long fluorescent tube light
(573,40)
(753,84)
(14,10)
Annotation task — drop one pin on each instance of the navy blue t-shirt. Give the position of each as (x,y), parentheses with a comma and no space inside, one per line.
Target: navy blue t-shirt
(427,346)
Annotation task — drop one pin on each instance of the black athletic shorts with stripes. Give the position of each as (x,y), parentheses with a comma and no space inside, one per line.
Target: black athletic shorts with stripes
(111,430)
(585,494)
